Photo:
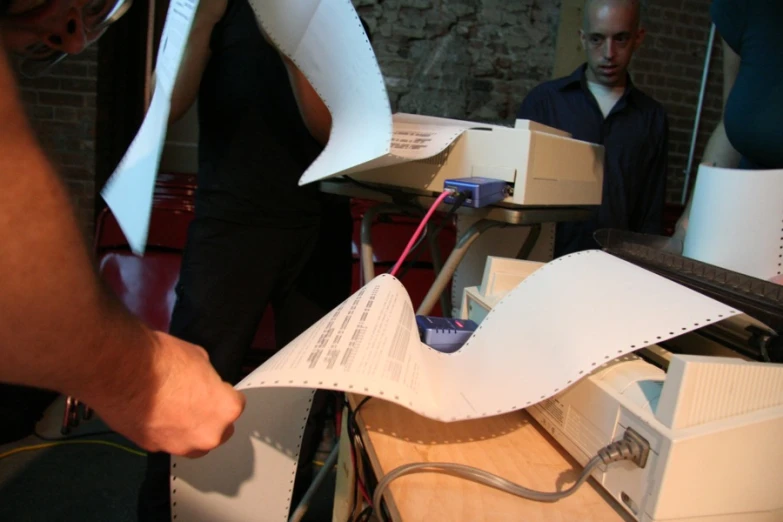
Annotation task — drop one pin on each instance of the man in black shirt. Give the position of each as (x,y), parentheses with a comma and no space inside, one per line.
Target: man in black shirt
(599,103)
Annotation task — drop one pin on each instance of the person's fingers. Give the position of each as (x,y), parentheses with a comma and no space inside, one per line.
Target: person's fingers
(234,403)
(194,410)
(226,434)
(203,353)
(195,454)
(242,403)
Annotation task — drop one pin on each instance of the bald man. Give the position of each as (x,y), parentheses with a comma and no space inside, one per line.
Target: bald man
(599,103)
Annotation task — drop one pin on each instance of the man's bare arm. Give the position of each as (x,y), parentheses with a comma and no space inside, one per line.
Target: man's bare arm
(50,292)
(59,329)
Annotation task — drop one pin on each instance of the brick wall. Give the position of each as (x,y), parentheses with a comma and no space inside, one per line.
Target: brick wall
(62,109)
(669,67)
(472,59)
(477,59)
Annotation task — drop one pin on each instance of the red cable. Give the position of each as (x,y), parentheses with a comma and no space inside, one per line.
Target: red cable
(419,230)
(359,482)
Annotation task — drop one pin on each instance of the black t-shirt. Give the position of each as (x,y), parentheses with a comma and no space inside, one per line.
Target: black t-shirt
(752,28)
(253,144)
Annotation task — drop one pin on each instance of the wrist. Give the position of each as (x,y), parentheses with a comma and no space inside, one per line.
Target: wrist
(120,366)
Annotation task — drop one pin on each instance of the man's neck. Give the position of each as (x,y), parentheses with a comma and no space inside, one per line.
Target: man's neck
(620,85)
(606,96)
(616,90)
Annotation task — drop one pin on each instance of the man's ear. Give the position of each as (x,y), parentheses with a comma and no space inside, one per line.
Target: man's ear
(639,37)
(583,39)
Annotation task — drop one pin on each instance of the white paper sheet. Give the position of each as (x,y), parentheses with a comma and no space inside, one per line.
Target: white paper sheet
(128,193)
(252,478)
(736,220)
(417,137)
(173,41)
(326,41)
(129,190)
(562,322)
(414,137)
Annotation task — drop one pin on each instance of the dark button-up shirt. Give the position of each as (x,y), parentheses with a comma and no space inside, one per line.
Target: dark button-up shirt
(635,137)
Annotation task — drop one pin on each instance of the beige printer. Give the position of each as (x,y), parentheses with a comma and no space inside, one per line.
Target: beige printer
(714,424)
(545,166)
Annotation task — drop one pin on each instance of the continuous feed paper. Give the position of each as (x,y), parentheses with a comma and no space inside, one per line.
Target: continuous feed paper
(736,221)
(562,322)
(326,41)
(129,190)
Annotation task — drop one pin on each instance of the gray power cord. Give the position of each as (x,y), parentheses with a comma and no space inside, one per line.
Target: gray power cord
(632,447)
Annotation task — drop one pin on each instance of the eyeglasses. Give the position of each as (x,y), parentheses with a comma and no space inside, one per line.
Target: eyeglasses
(97,16)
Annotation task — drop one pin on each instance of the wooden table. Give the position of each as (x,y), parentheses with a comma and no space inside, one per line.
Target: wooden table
(512,446)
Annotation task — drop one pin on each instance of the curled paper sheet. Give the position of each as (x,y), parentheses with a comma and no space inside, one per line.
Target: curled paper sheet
(416,137)
(736,221)
(128,192)
(327,43)
(562,322)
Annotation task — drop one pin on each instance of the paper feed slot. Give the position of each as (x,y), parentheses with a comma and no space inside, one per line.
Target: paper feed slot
(762,300)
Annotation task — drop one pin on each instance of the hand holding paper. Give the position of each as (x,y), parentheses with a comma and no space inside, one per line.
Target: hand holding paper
(152,409)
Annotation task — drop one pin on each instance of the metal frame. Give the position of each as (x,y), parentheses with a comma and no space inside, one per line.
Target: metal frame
(395,200)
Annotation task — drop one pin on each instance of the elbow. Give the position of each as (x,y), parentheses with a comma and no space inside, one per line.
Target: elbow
(176,113)
(179,110)
(320,128)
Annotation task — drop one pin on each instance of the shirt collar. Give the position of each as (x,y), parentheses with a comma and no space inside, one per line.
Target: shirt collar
(578,79)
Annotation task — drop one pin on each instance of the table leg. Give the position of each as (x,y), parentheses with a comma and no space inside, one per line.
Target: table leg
(437,266)
(304,504)
(453,261)
(345,487)
(366,255)
(530,241)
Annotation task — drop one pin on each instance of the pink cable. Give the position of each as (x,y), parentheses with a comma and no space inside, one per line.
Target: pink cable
(359,483)
(419,230)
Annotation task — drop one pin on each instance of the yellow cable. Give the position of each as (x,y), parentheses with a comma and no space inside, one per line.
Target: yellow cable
(64,442)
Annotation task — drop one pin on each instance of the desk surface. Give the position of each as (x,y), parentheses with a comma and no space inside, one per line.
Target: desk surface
(512,446)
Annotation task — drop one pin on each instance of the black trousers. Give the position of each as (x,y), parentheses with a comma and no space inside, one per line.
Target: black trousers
(230,273)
